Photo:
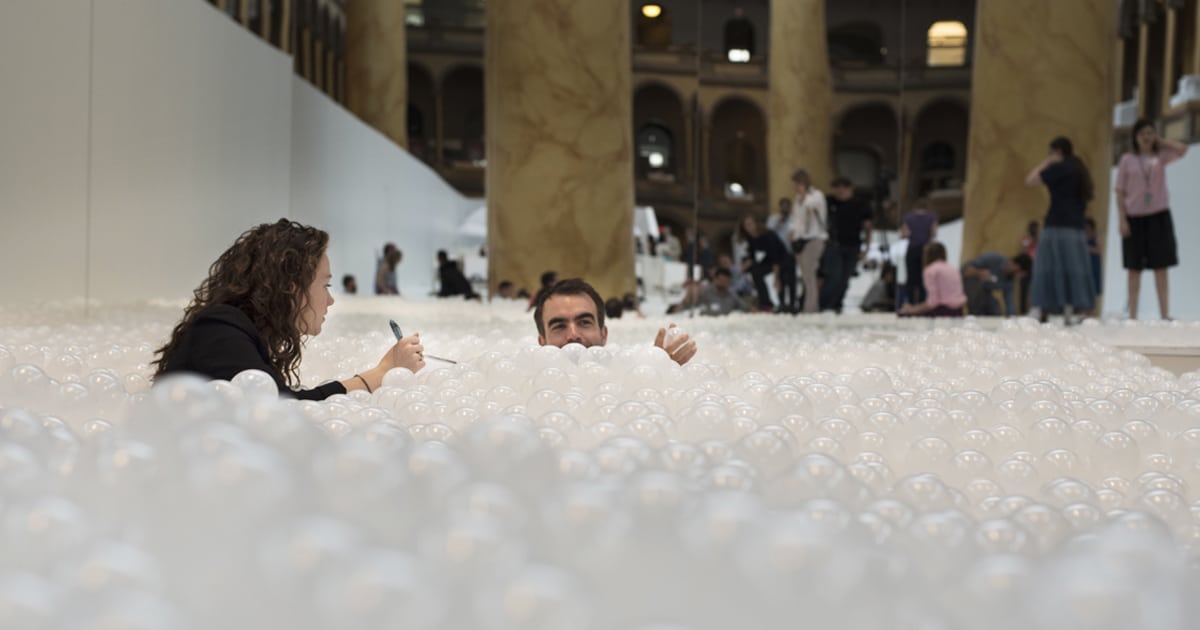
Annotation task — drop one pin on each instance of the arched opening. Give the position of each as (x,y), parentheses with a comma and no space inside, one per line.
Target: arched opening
(655,152)
(462,117)
(865,151)
(856,44)
(939,147)
(946,44)
(658,124)
(738,149)
(653,25)
(422,112)
(739,38)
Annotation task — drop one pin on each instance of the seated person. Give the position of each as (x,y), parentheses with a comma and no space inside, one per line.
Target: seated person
(571,311)
(718,299)
(506,290)
(991,271)
(452,280)
(881,297)
(267,292)
(385,271)
(944,295)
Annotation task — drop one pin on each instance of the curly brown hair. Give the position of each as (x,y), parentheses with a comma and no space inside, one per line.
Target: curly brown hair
(265,274)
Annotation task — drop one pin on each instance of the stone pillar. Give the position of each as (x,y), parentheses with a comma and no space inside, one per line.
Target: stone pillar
(560,142)
(1169,61)
(376,66)
(1143,64)
(799,105)
(1042,69)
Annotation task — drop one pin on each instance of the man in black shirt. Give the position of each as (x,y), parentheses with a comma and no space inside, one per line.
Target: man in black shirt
(849,219)
(452,279)
(768,254)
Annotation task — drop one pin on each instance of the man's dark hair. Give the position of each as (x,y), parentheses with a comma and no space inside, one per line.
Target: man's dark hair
(614,308)
(721,271)
(842,181)
(548,278)
(1024,262)
(570,286)
(442,256)
(505,284)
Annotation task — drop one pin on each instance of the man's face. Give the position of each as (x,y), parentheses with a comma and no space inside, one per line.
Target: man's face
(571,319)
(843,193)
(721,282)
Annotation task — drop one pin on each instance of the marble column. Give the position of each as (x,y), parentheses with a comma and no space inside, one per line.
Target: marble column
(1042,69)
(799,133)
(376,66)
(560,143)
(1169,61)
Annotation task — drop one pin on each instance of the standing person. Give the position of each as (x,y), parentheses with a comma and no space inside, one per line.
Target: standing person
(944,295)
(781,224)
(385,271)
(809,220)
(1089,230)
(1062,273)
(768,254)
(1147,231)
(919,227)
(1027,246)
(849,219)
(262,297)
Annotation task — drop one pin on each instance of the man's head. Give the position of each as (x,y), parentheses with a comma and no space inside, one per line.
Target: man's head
(1019,264)
(442,256)
(802,181)
(505,289)
(722,279)
(570,311)
(549,278)
(785,206)
(842,188)
(349,284)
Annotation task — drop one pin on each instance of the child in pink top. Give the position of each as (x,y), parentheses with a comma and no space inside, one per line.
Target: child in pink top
(944,296)
(1147,231)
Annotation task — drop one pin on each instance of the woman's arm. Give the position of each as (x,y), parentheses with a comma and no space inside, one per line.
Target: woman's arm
(933,229)
(1122,216)
(1035,176)
(1178,147)
(406,353)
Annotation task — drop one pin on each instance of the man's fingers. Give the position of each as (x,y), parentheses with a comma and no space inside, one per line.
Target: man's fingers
(662,336)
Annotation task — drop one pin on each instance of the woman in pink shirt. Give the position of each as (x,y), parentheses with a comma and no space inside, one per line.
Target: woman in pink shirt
(944,296)
(1147,232)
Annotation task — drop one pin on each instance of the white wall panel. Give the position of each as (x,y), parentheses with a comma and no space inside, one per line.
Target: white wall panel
(365,191)
(44,57)
(191,131)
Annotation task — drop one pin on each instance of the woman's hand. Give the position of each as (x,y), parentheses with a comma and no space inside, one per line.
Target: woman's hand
(1124,227)
(407,353)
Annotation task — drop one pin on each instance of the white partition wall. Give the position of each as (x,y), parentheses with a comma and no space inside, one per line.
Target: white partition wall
(138,138)
(349,179)
(1183,181)
(190,143)
(44,149)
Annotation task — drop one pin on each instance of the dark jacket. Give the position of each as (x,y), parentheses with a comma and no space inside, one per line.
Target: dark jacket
(222,342)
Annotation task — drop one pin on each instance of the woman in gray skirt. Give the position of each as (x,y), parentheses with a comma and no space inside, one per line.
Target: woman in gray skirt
(1062,276)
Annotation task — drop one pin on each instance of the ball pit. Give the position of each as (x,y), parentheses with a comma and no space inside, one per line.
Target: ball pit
(855,472)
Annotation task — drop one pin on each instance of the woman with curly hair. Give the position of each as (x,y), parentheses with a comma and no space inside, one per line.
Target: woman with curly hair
(267,292)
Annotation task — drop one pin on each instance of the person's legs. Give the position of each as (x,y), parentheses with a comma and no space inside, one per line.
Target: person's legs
(849,264)
(1164,298)
(788,300)
(915,282)
(759,273)
(810,261)
(1135,287)
(831,263)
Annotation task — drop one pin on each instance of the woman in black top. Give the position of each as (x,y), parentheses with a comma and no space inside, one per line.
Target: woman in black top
(1062,276)
(267,292)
